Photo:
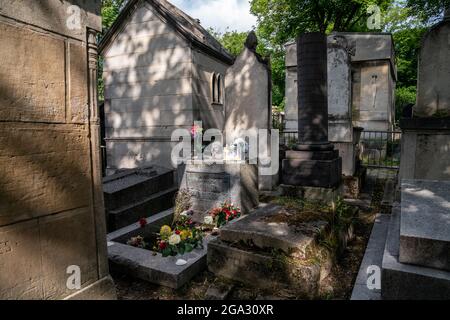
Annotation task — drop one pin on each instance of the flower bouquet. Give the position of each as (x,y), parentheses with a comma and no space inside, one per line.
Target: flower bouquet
(182,238)
(222,215)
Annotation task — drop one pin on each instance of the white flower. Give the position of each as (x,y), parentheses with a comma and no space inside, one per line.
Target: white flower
(174,239)
(209,220)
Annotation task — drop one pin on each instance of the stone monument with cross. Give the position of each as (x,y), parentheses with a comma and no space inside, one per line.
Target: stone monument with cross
(313,169)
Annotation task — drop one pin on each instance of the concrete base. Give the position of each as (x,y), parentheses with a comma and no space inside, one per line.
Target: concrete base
(326,195)
(258,230)
(263,271)
(103,289)
(312,169)
(149,266)
(402,281)
(425,227)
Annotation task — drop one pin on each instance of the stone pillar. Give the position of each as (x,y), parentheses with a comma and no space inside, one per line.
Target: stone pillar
(312,92)
(313,162)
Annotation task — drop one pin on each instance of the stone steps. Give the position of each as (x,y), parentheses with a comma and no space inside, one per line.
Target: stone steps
(149,206)
(425,224)
(401,281)
(124,188)
(138,193)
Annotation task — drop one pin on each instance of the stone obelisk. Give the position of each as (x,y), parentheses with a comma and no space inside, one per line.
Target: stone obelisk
(313,162)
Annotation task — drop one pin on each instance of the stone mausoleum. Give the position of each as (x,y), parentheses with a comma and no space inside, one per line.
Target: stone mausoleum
(163,71)
(373,76)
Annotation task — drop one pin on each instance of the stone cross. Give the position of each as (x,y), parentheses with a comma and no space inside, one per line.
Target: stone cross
(312,92)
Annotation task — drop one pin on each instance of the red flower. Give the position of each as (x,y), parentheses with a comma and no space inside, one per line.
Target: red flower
(143,222)
(162,245)
(177,232)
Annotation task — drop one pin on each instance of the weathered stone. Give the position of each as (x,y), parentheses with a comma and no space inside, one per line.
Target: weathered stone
(78,74)
(218,292)
(433,96)
(52,213)
(326,195)
(146,265)
(424,228)
(46,79)
(401,281)
(258,230)
(44,169)
(262,271)
(132,212)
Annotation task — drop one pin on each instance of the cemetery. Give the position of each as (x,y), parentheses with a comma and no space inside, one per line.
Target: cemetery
(179,185)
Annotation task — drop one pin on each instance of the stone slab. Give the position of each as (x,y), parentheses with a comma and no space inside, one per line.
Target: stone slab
(131,213)
(262,271)
(327,195)
(401,281)
(373,256)
(133,185)
(143,264)
(312,173)
(425,223)
(256,228)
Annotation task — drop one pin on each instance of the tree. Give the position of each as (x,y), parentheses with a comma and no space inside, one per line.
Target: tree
(110,11)
(429,11)
(282,20)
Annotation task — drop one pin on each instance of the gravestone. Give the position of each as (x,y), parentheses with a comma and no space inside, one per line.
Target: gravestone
(314,163)
(426,136)
(249,101)
(211,184)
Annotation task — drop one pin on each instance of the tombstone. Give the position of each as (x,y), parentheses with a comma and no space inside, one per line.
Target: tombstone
(249,102)
(340,126)
(314,163)
(416,261)
(52,222)
(426,136)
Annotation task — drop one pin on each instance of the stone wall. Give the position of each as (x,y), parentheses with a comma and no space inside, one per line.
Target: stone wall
(51,204)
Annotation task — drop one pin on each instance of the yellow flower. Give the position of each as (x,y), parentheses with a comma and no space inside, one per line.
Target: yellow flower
(185,234)
(165,232)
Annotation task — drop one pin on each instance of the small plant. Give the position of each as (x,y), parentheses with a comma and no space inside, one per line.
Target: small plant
(222,215)
(182,203)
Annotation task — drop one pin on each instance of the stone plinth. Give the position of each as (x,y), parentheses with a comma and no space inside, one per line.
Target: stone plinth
(425,227)
(425,141)
(401,281)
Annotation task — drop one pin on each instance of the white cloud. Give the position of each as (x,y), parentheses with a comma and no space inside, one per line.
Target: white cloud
(219,14)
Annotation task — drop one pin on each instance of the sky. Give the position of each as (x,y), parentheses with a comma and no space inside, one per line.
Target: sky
(219,14)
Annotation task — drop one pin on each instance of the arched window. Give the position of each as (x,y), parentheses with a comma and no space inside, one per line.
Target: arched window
(217,88)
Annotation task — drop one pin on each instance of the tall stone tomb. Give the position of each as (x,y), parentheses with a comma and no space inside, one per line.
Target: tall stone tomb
(314,164)
(52,223)
(426,137)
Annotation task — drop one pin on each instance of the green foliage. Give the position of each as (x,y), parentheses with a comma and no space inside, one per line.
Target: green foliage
(110,11)
(403,97)
(428,11)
